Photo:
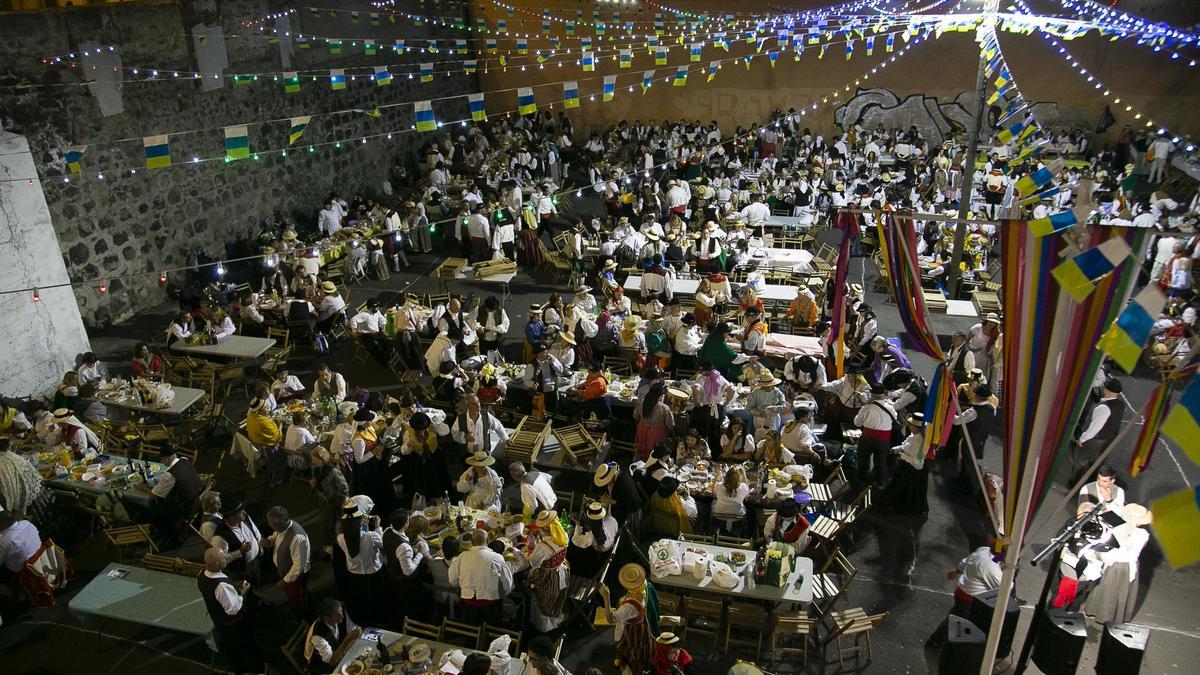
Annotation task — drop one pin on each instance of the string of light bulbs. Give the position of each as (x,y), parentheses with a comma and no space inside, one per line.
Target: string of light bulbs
(102,283)
(1107,93)
(400,104)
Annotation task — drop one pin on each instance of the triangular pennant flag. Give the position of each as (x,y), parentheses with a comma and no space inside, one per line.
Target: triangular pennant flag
(870,46)
(369,112)
(475,102)
(1078,274)
(773,57)
(334,46)
(460,46)
(72,155)
(1127,337)
(237,142)
(297,128)
(1054,223)
(522,46)
(681,74)
(660,56)
(158,151)
(525,103)
(490,45)
(1183,421)
(610,87)
(242,80)
(647,78)
(890,44)
(374,19)
(400,46)
(423,116)
(713,66)
(570,94)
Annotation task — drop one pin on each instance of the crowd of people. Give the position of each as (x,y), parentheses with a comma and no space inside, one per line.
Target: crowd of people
(696,384)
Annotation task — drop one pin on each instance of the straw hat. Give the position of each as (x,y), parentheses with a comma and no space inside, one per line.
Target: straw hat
(632,576)
(481,458)
(608,265)
(584,288)
(268,250)
(710,227)
(992,317)
(351,506)
(256,405)
(596,511)
(667,638)
(62,414)
(682,394)
(545,518)
(1137,515)
(289,235)
(768,380)
(605,474)
(652,236)
(328,287)
(633,322)
(535,309)
(917,419)
(566,337)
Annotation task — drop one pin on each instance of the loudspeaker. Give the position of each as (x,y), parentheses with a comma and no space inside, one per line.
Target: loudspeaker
(963,651)
(981,615)
(1121,649)
(1060,639)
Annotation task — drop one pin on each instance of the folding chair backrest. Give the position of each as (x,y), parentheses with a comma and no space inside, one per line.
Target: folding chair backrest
(735,542)
(460,633)
(489,633)
(421,629)
(159,563)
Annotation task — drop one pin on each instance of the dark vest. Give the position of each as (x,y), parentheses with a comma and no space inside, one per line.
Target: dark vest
(958,370)
(1116,417)
(281,555)
(225,532)
(208,591)
(188,485)
(322,629)
(391,541)
(981,427)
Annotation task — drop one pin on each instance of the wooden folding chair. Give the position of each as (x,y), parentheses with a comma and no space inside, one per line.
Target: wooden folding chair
(131,536)
(704,616)
(786,631)
(428,631)
(458,633)
(831,583)
(857,624)
(158,563)
(745,624)
(293,649)
(733,542)
(489,633)
(697,538)
(527,439)
(187,568)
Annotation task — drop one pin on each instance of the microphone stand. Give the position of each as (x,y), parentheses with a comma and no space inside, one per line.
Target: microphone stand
(1040,609)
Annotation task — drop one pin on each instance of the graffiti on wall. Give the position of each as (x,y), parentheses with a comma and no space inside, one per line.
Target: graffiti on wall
(937,120)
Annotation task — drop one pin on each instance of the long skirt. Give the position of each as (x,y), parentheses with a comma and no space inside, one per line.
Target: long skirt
(907,494)
(366,599)
(531,253)
(646,438)
(635,646)
(1113,599)
(550,596)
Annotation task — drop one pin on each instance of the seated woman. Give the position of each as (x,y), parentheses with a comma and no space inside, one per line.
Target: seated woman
(692,448)
(737,443)
(220,326)
(591,540)
(181,328)
(770,450)
(665,516)
(729,500)
(67,394)
(145,363)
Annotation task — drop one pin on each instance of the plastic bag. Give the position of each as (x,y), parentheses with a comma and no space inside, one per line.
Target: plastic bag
(418,502)
(724,577)
(665,558)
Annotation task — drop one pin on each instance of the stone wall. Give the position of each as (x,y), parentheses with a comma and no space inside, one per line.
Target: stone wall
(135,220)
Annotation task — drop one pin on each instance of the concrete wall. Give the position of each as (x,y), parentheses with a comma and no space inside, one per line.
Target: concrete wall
(940,69)
(40,339)
(151,220)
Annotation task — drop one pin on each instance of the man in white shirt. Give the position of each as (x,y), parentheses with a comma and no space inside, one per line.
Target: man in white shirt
(479,229)
(368,325)
(483,578)
(238,537)
(478,429)
(1104,490)
(976,573)
(285,387)
(329,637)
(224,598)
(331,306)
(91,369)
(537,491)
(677,198)
(292,555)
(442,349)
(1161,149)
(756,212)
(876,419)
(329,220)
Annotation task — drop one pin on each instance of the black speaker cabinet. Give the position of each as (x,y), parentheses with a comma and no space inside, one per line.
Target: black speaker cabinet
(963,651)
(981,615)
(1121,649)
(1060,639)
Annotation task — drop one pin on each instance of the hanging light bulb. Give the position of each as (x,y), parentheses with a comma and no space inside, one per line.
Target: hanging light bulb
(37,297)
(162,279)
(220,269)
(103,287)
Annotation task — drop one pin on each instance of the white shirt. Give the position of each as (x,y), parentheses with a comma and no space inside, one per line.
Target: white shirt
(755,213)
(322,646)
(19,543)
(1100,414)
(979,573)
(539,493)
(338,384)
(583,538)
(410,556)
(92,373)
(677,197)
(297,437)
(228,597)
(367,322)
(731,504)
(290,385)
(331,304)
(481,573)
(247,533)
(165,482)
(1092,490)
(299,552)
(329,221)
(495,429)
(370,552)
(441,349)
(225,329)
(687,340)
(876,415)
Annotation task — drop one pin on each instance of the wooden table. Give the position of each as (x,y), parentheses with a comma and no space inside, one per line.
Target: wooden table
(366,646)
(776,292)
(503,279)
(240,347)
(785,346)
(185,397)
(145,597)
(116,485)
(790,592)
